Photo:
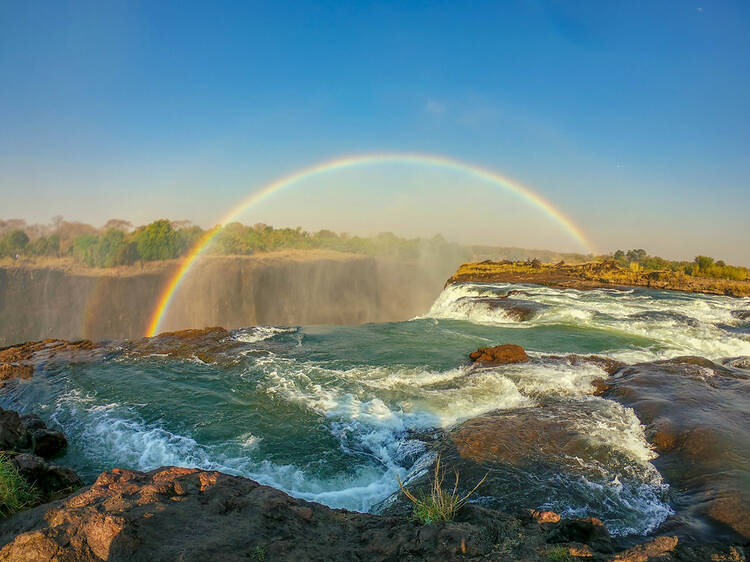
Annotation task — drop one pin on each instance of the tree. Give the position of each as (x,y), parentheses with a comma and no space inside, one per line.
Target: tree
(16,241)
(704,263)
(636,255)
(156,241)
(118,224)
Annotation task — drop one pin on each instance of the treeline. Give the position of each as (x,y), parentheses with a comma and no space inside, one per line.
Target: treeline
(118,243)
(701,266)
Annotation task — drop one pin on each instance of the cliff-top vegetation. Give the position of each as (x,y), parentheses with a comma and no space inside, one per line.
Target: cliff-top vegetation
(119,243)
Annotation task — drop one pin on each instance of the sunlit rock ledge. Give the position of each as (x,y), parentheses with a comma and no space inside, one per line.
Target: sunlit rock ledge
(593,275)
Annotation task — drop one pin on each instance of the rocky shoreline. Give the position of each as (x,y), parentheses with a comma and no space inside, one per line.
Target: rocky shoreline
(593,275)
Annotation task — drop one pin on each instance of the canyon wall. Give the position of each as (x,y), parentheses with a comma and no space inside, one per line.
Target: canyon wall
(281,288)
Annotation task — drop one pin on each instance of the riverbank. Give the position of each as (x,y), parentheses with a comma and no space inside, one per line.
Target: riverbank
(594,275)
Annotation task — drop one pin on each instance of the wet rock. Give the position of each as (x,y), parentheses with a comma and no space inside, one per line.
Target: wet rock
(19,361)
(590,531)
(210,345)
(695,413)
(48,443)
(517,437)
(50,480)
(518,310)
(741,314)
(499,355)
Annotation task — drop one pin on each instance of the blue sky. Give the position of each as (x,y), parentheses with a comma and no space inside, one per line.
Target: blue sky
(632,118)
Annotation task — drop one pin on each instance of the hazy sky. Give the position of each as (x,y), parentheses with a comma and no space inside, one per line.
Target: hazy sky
(633,118)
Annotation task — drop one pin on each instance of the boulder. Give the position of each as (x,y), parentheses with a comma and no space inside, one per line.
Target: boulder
(48,443)
(504,354)
(50,480)
(29,433)
(13,433)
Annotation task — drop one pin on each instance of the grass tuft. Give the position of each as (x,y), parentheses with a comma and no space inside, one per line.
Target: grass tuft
(15,493)
(439,505)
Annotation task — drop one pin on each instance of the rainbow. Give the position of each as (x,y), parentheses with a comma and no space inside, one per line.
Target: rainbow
(350,162)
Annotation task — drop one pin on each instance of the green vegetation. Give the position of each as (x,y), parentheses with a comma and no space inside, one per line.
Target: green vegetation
(119,244)
(15,493)
(701,266)
(559,554)
(439,505)
(259,554)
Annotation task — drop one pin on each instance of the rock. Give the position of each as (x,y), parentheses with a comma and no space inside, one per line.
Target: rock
(189,514)
(499,355)
(590,531)
(518,310)
(695,413)
(48,443)
(19,361)
(210,345)
(28,433)
(741,314)
(13,434)
(50,480)
(545,516)
(193,515)
(644,552)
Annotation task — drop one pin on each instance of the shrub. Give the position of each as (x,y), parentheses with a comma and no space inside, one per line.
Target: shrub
(15,493)
(439,505)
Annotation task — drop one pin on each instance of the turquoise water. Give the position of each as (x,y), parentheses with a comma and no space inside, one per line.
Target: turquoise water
(334,414)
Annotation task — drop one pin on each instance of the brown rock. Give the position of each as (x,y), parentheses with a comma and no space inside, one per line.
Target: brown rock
(643,552)
(499,355)
(580,550)
(222,517)
(545,516)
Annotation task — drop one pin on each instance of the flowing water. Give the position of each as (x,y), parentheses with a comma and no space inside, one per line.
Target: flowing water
(335,414)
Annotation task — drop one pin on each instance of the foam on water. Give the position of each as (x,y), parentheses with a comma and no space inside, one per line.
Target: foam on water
(255,334)
(678,323)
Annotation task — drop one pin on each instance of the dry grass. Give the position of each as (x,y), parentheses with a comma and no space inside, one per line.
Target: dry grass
(439,504)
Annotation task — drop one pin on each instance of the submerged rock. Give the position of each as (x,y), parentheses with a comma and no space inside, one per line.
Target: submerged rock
(499,355)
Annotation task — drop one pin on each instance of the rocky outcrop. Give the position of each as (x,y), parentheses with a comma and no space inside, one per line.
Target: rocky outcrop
(499,355)
(189,514)
(27,441)
(593,275)
(28,433)
(20,361)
